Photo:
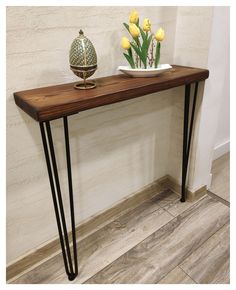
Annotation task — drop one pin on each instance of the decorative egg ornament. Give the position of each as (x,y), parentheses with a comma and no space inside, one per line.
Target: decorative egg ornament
(83,60)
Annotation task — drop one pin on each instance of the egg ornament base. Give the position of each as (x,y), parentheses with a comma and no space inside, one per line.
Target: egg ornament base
(85,85)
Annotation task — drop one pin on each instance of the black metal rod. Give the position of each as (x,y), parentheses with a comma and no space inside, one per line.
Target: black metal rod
(192,120)
(56,178)
(185,141)
(69,174)
(187,135)
(54,196)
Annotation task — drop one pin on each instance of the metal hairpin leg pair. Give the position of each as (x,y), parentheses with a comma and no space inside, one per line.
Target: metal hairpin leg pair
(187,135)
(71,266)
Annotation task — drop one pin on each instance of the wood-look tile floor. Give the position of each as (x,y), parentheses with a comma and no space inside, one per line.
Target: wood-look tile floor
(160,241)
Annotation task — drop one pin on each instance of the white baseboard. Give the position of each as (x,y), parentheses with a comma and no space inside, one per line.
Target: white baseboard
(221,149)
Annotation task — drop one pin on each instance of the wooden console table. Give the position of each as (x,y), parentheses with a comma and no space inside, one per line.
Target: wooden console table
(61,101)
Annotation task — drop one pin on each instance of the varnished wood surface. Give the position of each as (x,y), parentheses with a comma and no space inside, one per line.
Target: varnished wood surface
(62,100)
(142,246)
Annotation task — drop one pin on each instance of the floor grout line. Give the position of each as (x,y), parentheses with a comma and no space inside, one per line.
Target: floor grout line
(217,197)
(187,207)
(187,273)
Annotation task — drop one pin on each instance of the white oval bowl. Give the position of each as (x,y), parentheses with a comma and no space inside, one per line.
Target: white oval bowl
(144,73)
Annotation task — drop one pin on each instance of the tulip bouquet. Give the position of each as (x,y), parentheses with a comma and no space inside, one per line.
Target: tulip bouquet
(144,49)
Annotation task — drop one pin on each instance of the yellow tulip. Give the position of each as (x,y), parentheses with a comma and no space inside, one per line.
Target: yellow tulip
(134,30)
(125,43)
(133,18)
(146,24)
(160,35)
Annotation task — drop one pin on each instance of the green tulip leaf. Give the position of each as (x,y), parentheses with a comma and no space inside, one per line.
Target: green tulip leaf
(136,48)
(126,26)
(142,34)
(144,46)
(130,60)
(130,52)
(157,56)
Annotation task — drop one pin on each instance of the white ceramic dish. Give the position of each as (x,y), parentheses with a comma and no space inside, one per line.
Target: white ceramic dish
(144,73)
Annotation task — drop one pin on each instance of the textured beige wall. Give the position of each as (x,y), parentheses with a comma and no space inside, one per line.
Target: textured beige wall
(116,150)
(215,95)
(193,35)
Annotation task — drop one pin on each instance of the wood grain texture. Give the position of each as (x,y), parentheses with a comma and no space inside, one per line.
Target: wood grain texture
(177,276)
(210,263)
(57,101)
(162,251)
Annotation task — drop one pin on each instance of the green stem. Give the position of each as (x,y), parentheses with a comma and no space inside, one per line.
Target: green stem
(157,57)
(131,57)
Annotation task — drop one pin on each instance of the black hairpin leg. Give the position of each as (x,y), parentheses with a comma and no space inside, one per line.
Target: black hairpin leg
(71,270)
(187,135)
